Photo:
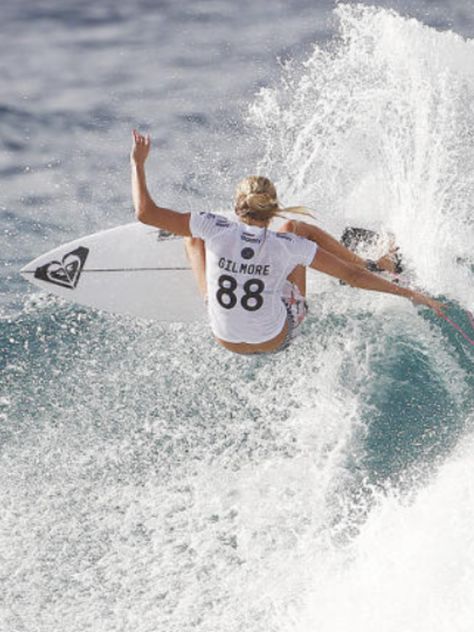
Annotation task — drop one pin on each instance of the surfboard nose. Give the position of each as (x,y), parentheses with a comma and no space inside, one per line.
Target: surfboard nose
(128,269)
(27,269)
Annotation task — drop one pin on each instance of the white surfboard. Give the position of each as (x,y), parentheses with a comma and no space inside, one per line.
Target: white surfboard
(131,269)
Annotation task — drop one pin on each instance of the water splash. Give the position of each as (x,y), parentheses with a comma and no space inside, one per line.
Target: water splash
(151,480)
(376,130)
(411,566)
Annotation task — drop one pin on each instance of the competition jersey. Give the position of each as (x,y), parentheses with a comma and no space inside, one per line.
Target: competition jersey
(246,268)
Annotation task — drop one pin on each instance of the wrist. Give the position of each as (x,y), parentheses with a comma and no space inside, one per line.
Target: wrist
(406,292)
(139,165)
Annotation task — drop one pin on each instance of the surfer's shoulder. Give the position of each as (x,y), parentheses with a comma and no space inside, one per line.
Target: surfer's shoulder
(206,225)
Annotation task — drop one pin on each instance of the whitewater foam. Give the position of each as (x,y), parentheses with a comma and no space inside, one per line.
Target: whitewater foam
(374,130)
(153,481)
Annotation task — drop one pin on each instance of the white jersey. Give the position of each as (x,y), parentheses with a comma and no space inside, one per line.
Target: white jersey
(246,268)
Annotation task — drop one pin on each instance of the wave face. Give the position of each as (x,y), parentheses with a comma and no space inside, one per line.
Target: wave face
(153,481)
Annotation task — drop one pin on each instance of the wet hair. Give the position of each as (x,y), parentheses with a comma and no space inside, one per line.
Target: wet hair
(256,199)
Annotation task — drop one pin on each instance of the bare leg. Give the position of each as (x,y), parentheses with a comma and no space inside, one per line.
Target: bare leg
(196,253)
(298,277)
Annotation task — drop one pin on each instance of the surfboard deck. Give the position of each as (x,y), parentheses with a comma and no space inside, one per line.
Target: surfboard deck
(131,269)
(134,270)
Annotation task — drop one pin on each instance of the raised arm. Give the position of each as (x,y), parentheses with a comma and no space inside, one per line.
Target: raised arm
(146,210)
(358,277)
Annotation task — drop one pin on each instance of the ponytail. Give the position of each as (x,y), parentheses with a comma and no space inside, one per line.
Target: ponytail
(256,199)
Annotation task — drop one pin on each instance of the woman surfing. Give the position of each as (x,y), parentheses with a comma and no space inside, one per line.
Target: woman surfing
(252,278)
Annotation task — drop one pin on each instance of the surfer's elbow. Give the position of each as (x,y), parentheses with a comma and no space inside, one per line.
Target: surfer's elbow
(143,213)
(140,215)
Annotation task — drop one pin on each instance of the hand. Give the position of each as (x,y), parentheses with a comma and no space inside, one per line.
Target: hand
(141,148)
(391,261)
(387,263)
(421,299)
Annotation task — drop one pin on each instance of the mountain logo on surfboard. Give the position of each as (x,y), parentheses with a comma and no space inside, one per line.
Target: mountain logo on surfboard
(66,272)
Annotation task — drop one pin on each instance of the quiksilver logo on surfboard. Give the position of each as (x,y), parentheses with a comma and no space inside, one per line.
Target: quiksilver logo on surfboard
(66,272)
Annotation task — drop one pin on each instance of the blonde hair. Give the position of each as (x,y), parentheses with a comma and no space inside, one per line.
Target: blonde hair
(256,198)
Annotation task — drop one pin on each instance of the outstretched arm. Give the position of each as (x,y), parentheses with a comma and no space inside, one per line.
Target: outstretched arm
(358,277)
(331,245)
(145,208)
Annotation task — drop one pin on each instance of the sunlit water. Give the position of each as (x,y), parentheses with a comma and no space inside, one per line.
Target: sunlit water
(152,481)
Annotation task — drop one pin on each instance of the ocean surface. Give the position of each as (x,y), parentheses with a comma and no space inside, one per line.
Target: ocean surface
(150,481)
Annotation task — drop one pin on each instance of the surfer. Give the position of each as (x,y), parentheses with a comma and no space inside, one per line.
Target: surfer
(253,278)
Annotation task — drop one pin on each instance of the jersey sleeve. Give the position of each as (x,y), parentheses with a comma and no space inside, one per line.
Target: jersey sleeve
(207,225)
(304,250)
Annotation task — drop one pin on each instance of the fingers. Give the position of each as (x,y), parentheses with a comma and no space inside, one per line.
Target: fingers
(140,139)
(140,148)
(440,309)
(437,307)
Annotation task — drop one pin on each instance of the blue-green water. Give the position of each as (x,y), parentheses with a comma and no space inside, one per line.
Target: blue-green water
(150,480)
